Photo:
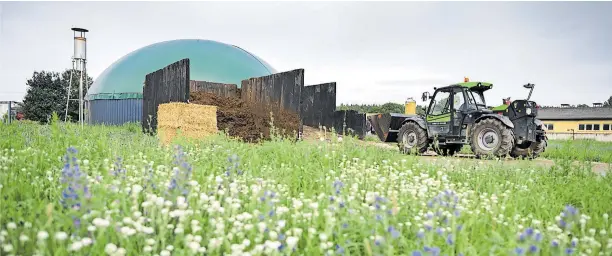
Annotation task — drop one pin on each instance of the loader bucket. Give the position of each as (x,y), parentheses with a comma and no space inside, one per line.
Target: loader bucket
(386,126)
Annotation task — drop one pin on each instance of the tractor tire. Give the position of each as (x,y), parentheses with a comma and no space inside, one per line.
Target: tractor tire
(491,137)
(412,138)
(530,151)
(448,150)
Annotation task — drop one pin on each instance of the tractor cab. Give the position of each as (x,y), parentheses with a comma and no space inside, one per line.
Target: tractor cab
(452,107)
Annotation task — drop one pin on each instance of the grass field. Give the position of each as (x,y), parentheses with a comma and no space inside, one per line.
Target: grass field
(114,191)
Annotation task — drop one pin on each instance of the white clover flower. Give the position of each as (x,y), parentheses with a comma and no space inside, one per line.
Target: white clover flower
(147,248)
(101,223)
(121,251)
(61,236)
(273,235)
(76,246)
(170,247)
(23,238)
(7,247)
(179,230)
(86,241)
(11,225)
(194,246)
(323,237)
(127,231)
(148,230)
(42,235)
(127,220)
(292,242)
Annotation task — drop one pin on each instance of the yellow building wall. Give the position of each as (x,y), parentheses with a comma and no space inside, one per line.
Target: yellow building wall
(565,126)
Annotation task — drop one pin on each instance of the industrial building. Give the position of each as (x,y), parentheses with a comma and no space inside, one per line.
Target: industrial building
(115,97)
(578,122)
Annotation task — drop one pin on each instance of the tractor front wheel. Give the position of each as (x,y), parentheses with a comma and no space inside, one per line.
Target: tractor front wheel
(491,137)
(412,138)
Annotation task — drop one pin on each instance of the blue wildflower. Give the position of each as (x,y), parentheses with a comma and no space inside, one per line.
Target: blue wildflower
(533,248)
(182,174)
(234,165)
(519,251)
(554,244)
(449,239)
(417,253)
(338,185)
(339,249)
(74,181)
(118,170)
(420,234)
(377,242)
(538,237)
(393,231)
(569,251)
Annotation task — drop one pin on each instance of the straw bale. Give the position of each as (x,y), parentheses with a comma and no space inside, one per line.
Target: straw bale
(188,120)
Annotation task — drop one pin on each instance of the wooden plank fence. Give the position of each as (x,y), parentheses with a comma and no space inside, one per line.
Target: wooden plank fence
(169,84)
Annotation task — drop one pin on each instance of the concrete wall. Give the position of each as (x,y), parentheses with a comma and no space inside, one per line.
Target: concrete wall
(568,136)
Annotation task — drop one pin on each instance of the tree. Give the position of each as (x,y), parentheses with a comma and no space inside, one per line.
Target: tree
(47,94)
(608,103)
(583,106)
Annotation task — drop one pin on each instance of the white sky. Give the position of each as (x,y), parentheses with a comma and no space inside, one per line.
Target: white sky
(376,52)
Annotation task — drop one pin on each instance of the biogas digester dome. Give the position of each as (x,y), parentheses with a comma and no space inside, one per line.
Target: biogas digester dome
(115,97)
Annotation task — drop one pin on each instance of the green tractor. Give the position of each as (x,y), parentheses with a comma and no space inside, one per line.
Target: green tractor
(457,115)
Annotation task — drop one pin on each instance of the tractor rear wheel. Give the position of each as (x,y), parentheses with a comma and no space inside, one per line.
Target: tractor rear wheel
(412,138)
(530,150)
(491,137)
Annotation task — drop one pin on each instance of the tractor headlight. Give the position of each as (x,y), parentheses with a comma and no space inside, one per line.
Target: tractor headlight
(528,111)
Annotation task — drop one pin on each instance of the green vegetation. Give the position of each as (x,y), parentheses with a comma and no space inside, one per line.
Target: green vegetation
(118,192)
(575,150)
(386,108)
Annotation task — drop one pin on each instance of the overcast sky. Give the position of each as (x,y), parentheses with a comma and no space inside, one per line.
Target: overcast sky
(376,52)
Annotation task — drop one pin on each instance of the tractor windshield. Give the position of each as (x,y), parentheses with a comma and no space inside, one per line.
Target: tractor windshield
(476,99)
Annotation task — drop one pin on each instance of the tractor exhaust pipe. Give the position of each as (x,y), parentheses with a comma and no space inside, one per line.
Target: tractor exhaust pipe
(529,86)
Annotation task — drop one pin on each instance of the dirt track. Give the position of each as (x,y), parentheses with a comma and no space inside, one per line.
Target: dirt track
(432,157)
(312,134)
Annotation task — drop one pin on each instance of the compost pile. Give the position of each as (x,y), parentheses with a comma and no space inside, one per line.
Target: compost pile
(247,121)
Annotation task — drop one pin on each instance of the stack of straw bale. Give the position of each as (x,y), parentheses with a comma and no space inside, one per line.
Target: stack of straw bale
(192,120)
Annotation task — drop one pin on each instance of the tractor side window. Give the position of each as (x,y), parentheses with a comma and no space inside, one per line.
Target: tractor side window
(440,104)
(459,101)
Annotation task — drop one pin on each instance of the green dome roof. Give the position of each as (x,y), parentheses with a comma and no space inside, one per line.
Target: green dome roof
(209,61)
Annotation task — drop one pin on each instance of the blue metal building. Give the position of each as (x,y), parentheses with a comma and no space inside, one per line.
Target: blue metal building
(115,97)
